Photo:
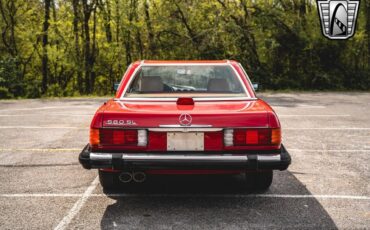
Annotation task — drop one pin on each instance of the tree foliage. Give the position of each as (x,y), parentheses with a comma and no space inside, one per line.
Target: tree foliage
(77,47)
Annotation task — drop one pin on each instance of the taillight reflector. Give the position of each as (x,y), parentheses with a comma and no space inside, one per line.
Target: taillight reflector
(257,136)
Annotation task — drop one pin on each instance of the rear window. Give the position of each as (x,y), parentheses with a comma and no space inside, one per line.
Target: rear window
(194,81)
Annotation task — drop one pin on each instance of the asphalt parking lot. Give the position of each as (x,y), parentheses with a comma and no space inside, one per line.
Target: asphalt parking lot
(327,186)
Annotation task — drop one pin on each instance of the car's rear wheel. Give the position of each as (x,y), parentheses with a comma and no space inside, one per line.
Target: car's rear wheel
(259,180)
(109,180)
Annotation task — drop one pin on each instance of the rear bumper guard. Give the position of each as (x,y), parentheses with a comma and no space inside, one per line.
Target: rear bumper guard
(279,160)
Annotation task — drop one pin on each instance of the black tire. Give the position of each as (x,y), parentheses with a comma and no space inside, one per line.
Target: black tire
(109,180)
(259,180)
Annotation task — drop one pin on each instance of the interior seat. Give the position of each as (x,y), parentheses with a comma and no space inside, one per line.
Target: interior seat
(218,85)
(152,84)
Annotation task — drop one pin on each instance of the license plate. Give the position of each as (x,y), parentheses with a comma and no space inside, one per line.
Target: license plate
(192,141)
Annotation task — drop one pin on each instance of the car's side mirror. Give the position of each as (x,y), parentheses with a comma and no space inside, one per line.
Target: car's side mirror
(115,86)
(255,86)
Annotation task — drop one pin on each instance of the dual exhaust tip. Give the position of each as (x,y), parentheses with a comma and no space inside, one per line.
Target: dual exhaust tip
(126,177)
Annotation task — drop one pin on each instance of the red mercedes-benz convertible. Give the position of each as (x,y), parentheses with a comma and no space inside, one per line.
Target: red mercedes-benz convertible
(185,117)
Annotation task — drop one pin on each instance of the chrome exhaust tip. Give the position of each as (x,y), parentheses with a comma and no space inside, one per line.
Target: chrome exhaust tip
(139,177)
(125,177)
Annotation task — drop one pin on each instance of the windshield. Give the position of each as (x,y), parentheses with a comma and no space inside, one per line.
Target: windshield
(186,80)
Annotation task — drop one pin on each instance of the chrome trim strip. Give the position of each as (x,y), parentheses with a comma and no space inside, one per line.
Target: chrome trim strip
(154,99)
(185,129)
(241,81)
(183,64)
(101,156)
(269,158)
(130,80)
(248,79)
(140,157)
(183,126)
(166,157)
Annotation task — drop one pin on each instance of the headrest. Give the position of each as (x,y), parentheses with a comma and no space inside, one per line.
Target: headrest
(151,84)
(218,85)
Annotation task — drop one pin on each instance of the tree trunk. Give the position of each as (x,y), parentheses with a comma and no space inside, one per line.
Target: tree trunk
(128,39)
(45,44)
(93,54)
(368,32)
(302,8)
(118,20)
(76,20)
(107,21)
(149,27)
(88,59)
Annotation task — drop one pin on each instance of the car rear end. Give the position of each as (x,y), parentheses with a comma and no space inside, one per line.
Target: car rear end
(179,133)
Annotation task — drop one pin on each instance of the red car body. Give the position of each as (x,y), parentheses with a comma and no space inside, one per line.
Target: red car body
(132,137)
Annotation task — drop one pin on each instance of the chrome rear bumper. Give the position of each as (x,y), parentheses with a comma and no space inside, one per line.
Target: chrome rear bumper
(278,160)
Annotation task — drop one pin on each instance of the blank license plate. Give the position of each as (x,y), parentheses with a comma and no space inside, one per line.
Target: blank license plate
(192,141)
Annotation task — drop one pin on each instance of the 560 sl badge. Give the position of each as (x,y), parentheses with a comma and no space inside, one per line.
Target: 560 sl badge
(120,122)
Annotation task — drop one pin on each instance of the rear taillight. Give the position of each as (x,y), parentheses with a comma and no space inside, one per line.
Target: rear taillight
(275,136)
(126,137)
(258,136)
(94,137)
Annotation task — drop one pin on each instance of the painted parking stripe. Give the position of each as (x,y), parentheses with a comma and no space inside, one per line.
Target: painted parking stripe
(36,165)
(314,115)
(50,107)
(330,150)
(118,195)
(48,114)
(42,150)
(329,128)
(302,106)
(63,224)
(41,127)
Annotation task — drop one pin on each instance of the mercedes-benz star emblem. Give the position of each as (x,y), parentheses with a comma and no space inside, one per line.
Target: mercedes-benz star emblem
(185,119)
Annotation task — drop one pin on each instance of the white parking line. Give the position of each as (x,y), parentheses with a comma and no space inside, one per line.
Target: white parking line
(50,107)
(63,224)
(42,150)
(298,106)
(83,197)
(41,127)
(330,150)
(329,128)
(314,115)
(45,114)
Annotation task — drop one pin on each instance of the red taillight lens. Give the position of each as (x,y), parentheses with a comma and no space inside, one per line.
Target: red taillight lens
(239,137)
(118,137)
(251,137)
(256,137)
(264,136)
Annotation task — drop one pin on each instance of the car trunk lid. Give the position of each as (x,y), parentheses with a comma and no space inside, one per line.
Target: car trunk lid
(201,114)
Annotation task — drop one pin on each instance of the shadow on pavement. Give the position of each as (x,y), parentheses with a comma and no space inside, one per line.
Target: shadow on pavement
(212,202)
